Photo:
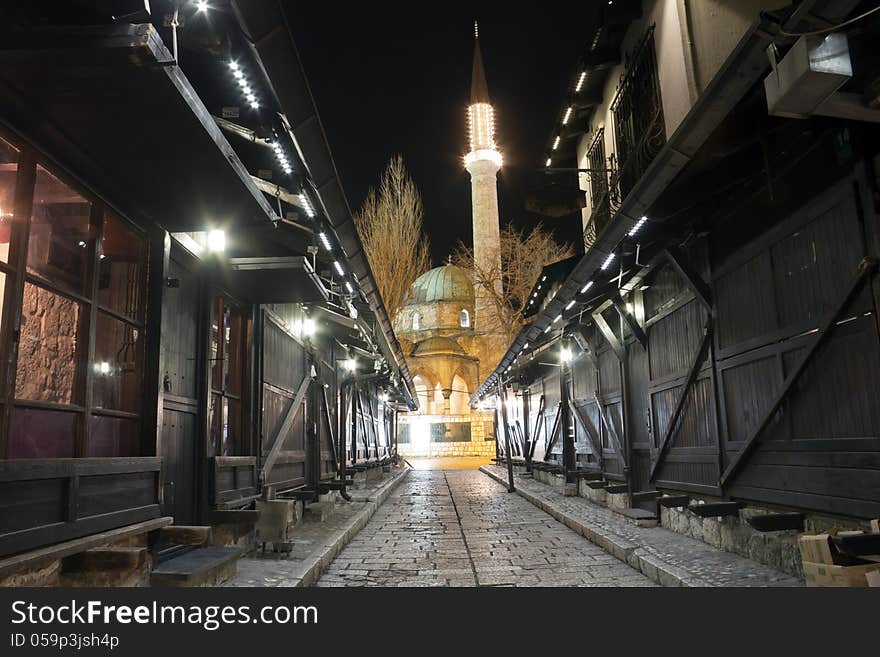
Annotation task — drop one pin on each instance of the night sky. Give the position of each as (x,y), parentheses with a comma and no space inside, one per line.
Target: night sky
(391,78)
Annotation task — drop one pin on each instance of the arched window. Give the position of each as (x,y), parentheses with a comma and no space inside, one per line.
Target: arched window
(464,318)
(415,322)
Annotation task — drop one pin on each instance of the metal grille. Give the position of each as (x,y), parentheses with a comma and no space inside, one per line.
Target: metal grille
(638,116)
(639,134)
(601,212)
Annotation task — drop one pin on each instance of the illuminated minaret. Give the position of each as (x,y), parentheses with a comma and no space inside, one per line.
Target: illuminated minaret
(483,162)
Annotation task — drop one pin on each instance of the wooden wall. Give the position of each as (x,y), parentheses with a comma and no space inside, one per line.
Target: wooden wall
(771,288)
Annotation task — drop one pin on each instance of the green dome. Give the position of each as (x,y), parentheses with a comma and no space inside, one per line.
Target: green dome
(446,283)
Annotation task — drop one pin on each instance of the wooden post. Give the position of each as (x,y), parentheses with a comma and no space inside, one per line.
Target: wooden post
(569,454)
(510,486)
(527,434)
(313,441)
(154,365)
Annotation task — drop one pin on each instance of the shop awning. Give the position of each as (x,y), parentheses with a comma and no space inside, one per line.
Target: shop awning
(273,280)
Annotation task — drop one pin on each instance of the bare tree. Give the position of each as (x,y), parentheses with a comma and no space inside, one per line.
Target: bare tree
(523,254)
(390,226)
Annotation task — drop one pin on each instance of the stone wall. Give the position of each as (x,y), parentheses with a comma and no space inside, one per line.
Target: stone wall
(733,534)
(477,446)
(47,352)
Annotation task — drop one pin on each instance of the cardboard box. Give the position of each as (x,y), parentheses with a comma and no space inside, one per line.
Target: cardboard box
(816,548)
(824,574)
(873,578)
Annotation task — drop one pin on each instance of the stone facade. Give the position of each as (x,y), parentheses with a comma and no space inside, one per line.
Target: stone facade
(480,443)
(778,549)
(445,356)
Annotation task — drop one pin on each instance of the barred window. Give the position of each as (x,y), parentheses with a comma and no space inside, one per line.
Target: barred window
(639,130)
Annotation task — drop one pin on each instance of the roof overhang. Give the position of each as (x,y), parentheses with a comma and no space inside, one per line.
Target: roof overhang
(272,280)
(265,24)
(110,103)
(742,69)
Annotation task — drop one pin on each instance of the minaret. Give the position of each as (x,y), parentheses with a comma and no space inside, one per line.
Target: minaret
(483,162)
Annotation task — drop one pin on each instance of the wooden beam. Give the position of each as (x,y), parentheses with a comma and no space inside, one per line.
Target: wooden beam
(630,321)
(278,439)
(502,394)
(866,268)
(612,431)
(672,427)
(551,437)
(609,335)
(692,279)
(590,431)
(541,426)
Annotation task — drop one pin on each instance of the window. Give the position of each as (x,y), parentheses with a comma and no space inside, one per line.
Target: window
(76,272)
(415,321)
(464,318)
(227,350)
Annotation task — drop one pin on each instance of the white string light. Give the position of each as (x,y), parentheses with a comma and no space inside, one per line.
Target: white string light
(608,262)
(325,241)
(580,82)
(586,287)
(639,224)
(339,269)
(567,115)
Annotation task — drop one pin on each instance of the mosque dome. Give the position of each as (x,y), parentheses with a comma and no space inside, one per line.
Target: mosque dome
(446,283)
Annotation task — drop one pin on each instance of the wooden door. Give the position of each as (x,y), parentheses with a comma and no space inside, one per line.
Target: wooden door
(180,412)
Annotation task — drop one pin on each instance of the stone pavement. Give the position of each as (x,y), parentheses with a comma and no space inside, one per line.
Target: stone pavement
(663,555)
(460,528)
(316,542)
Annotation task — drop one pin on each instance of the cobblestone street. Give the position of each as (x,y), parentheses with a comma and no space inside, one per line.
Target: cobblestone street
(460,528)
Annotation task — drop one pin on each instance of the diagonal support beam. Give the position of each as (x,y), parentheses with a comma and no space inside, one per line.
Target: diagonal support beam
(608,334)
(590,431)
(541,426)
(612,431)
(692,279)
(278,438)
(866,268)
(672,427)
(630,321)
(553,435)
(338,458)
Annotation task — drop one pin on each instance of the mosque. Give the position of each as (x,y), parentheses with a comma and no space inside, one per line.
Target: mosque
(448,326)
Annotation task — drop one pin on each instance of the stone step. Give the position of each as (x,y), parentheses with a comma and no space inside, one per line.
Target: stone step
(639,517)
(617,489)
(205,566)
(598,484)
(185,535)
(106,558)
